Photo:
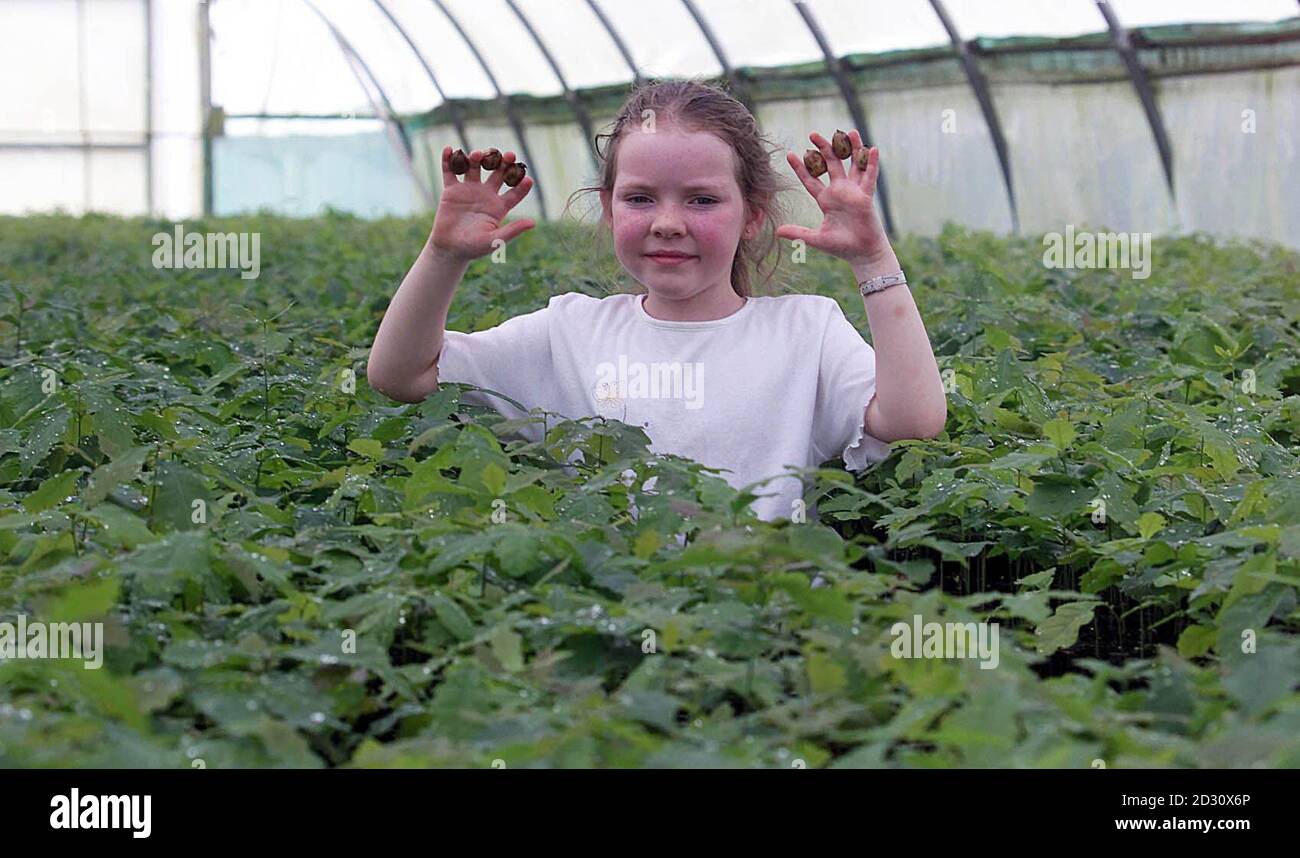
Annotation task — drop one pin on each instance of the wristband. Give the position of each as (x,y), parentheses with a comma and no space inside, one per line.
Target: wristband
(884,281)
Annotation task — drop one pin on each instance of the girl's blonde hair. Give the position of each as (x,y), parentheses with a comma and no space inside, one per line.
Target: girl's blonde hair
(693,105)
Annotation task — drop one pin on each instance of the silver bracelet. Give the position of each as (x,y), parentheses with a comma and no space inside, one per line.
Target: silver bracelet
(884,281)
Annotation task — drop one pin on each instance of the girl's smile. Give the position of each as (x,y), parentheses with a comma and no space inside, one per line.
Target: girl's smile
(669,260)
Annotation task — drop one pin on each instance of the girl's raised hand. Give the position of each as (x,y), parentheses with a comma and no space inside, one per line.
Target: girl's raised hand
(850,228)
(470,211)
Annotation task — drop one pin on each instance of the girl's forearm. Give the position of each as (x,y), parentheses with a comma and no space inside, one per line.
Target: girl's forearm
(403,357)
(910,398)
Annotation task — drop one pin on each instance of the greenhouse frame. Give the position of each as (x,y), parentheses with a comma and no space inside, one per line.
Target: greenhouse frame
(1138,115)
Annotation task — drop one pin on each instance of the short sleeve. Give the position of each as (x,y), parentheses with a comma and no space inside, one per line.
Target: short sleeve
(513,358)
(846,382)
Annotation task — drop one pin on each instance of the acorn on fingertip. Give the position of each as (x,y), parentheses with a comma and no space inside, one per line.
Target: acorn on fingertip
(861,157)
(514,173)
(459,162)
(491,159)
(841,145)
(815,162)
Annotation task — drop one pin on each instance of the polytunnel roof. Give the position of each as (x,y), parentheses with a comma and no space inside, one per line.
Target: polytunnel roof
(111,97)
(280,57)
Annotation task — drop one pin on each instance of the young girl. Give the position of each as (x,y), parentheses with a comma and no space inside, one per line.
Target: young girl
(749,384)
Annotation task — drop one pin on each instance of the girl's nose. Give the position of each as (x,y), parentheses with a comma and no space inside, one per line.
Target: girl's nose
(668,225)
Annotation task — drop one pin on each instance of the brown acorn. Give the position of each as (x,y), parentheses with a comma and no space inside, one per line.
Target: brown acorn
(841,145)
(491,159)
(515,173)
(861,156)
(813,160)
(459,162)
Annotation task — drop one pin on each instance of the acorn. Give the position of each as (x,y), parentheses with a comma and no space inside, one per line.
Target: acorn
(459,162)
(515,173)
(841,145)
(861,156)
(813,160)
(491,159)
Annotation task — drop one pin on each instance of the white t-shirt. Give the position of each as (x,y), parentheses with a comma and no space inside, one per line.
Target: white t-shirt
(783,381)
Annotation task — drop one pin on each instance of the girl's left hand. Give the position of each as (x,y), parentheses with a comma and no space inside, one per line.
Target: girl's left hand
(851,229)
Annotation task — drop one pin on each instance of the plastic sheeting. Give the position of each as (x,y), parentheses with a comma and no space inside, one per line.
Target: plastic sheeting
(100,107)
(104,107)
(275,56)
(359,173)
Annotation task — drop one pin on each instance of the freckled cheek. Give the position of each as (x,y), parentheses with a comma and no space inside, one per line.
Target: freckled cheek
(709,236)
(630,233)
(709,233)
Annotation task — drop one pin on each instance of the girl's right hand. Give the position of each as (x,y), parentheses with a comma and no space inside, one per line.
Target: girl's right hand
(470,212)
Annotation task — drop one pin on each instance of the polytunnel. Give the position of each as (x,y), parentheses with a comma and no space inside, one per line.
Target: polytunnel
(1009,115)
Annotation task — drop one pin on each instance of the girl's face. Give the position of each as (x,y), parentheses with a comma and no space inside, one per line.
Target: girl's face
(676,191)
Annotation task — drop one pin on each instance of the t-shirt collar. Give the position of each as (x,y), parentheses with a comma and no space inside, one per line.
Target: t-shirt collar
(688,326)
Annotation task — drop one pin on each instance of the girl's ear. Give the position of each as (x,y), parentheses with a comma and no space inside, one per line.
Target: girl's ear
(605,198)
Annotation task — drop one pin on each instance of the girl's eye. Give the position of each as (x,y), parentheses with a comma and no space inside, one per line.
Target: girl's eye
(635,197)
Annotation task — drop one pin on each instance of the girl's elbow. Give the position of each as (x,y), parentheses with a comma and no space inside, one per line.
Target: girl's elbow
(939,427)
(934,426)
(383,385)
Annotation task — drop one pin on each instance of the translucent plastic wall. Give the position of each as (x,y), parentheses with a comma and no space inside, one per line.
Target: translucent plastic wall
(99,109)
(326,102)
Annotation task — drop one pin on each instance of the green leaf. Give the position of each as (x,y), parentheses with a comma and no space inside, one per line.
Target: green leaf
(1196,641)
(42,437)
(82,602)
(825,602)
(368,447)
(176,564)
(1260,679)
(646,544)
(517,549)
(179,488)
(1037,581)
(494,479)
(1061,629)
(112,423)
(1057,496)
(1118,496)
(475,450)
(122,469)
(118,528)
(507,648)
(1149,524)
(825,674)
(1250,577)
(51,492)
(1059,432)
(452,616)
